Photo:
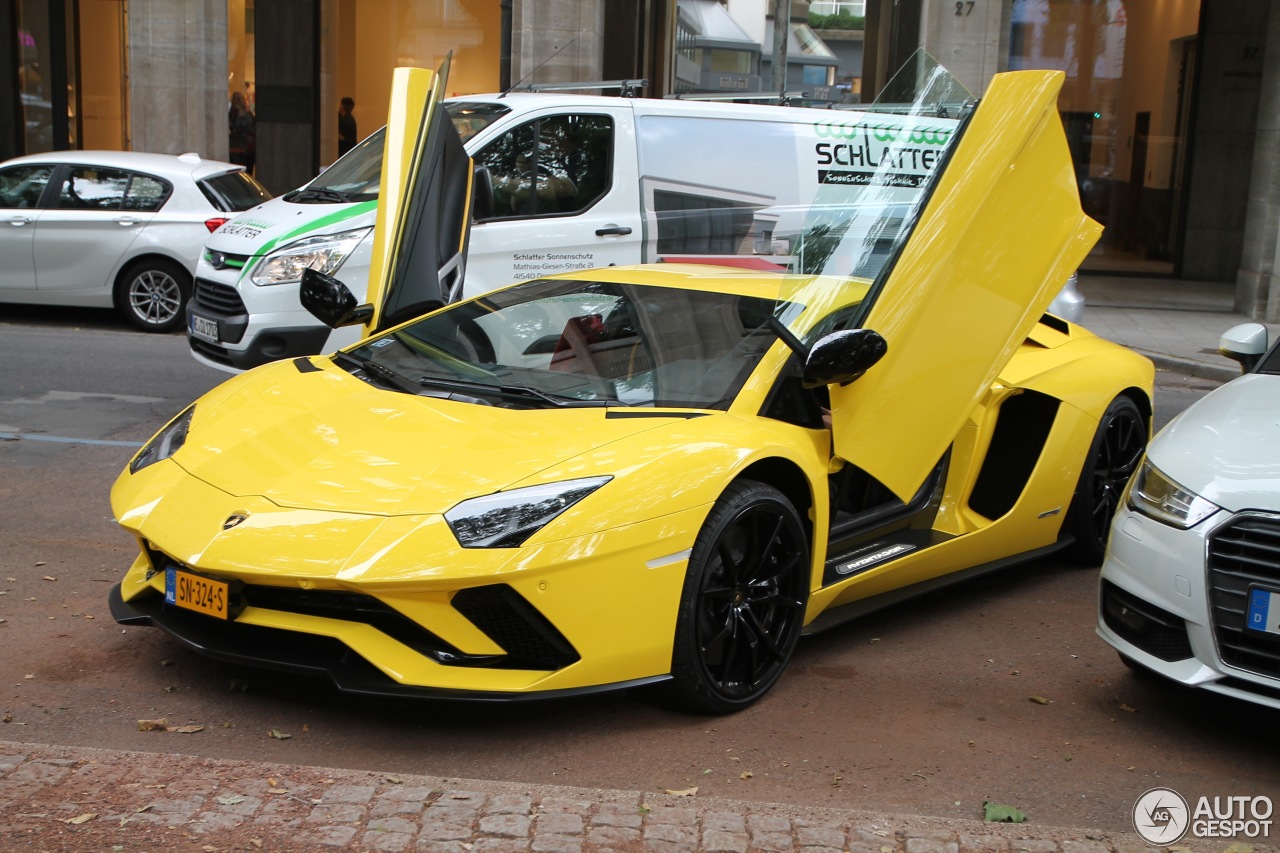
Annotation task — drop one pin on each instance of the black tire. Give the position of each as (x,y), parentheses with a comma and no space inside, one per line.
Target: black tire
(743,602)
(152,294)
(1114,455)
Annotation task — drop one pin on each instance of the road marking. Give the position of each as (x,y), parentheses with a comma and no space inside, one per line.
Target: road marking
(63,439)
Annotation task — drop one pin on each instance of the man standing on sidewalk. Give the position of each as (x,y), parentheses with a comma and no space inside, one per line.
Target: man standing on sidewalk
(347,135)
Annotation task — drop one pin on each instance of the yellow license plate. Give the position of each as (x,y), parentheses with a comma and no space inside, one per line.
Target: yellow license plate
(196,592)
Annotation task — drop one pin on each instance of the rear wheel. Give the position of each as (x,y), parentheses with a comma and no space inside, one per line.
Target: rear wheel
(1117,448)
(743,602)
(153,295)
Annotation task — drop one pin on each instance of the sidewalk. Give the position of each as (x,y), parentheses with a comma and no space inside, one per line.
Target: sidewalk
(77,799)
(1176,324)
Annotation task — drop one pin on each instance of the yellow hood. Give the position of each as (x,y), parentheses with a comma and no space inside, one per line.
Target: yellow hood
(327,440)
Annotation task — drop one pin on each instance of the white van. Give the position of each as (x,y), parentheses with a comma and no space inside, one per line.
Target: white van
(564,182)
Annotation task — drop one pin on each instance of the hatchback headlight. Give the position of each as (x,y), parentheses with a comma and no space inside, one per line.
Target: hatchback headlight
(1154,494)
(165,443)
(507,519)
(324,253)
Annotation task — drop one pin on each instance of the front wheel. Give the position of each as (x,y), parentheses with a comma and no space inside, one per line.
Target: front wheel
(153,295)
(743,601)
(1114,455)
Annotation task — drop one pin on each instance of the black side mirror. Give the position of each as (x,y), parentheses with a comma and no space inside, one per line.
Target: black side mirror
(482,195)
(330,301)
(841,357)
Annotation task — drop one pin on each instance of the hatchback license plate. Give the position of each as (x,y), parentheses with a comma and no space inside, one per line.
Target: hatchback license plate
(204,328)
(196,592)
(1263,613)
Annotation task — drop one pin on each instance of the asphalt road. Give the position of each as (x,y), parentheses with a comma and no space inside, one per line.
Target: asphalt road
(924,708)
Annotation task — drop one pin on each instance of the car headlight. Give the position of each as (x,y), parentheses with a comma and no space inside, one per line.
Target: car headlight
(324,253)
(1154,494)
(507,519)
(165,443)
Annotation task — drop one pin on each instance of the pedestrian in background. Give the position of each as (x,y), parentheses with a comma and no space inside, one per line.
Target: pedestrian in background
(347,134)
(243,142)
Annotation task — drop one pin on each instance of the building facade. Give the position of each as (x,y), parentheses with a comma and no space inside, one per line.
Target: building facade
(1172,107)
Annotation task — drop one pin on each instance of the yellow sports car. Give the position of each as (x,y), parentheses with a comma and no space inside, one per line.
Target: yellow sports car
(651,474)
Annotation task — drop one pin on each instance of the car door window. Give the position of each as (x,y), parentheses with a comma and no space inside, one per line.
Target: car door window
(551,166)
(146,193)
(22,186)
(90,188)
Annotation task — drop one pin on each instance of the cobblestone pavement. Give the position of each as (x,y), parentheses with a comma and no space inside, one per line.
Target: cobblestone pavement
(73,799)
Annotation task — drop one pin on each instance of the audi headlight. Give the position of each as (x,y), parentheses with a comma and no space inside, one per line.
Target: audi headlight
(1154,494)
(507,519)
(324,253)
(165,443)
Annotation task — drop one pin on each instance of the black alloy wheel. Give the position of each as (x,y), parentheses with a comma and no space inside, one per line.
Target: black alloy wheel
(743,602)
(1117,449)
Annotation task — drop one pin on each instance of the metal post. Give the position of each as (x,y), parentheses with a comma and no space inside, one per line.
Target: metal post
(781,33)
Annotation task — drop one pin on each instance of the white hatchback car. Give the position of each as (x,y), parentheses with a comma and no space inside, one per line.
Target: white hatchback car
(114,228)
(1191,582)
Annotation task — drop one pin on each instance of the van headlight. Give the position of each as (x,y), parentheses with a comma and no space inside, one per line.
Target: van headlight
(165,443)
(507,519)
(1154,494)
(324,253)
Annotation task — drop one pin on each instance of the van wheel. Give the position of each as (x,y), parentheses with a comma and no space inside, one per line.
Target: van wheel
(153,294)
(743,602)
(1117,448)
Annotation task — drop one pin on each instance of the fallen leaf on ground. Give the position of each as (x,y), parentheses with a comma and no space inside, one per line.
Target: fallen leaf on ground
(1124,707)
(279,735)
(683,792)
(277,790)
(187,730)
(1039,700)
(84,818)
(998,813)
(50,578)
(745,775)
(232,800)
(153,725)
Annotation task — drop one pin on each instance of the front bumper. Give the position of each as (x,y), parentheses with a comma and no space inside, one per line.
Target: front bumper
(277,328)
(1166,603)
(310,655)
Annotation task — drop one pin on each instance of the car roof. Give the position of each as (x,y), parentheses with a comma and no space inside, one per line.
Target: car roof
(171,165)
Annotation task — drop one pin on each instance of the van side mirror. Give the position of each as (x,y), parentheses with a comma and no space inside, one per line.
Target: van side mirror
(330,301)
(1246,343)
(482,195)
(841,357)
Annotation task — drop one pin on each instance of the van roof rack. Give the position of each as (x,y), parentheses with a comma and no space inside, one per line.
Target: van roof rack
(626,88)
(784,98)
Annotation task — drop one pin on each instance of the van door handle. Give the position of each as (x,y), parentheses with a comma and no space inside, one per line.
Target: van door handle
(613,229)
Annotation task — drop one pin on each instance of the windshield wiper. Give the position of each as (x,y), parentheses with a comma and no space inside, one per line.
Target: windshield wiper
(318,194)
(383,374)
(524,391)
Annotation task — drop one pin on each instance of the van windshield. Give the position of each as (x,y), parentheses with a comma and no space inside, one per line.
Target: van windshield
(354,177)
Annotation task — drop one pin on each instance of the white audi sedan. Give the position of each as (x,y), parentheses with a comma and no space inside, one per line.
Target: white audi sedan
(1191,582)
(118,229)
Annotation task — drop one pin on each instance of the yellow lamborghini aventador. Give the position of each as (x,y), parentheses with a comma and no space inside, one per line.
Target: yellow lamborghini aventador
(651,474)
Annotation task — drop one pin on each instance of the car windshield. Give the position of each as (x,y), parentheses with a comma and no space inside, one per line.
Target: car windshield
(355,176)
(234,191)
(572,343)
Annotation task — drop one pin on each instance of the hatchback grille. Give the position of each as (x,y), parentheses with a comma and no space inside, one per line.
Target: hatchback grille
(218,298)
(1244,552)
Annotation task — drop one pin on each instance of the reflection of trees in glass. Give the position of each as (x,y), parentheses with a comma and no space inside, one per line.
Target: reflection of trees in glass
(817,244)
